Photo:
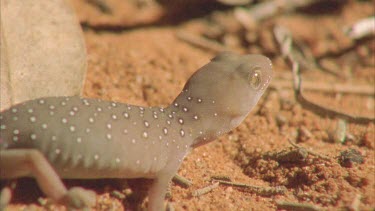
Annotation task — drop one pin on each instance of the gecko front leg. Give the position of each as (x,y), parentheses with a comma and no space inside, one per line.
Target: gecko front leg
(156,194)
(30,162)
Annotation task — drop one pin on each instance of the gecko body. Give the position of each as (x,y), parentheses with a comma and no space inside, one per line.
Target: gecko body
(83,138)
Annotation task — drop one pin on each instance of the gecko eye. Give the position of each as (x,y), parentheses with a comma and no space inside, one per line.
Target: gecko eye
(255,79)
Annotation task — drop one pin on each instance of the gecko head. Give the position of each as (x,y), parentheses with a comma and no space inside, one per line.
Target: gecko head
(230,85)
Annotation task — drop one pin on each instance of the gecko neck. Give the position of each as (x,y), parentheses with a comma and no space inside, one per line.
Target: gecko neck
(201,118)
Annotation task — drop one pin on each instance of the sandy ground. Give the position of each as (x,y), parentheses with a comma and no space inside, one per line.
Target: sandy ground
(135,56)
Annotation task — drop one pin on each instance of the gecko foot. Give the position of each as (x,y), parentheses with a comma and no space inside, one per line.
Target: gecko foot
(5,196)
(79,198)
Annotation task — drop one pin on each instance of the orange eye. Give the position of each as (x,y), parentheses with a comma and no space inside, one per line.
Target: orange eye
(255,79)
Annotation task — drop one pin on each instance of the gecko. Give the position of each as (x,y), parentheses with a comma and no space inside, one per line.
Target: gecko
(72,137)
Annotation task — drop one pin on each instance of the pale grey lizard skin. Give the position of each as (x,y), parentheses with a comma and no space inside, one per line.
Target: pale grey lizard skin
(91,138)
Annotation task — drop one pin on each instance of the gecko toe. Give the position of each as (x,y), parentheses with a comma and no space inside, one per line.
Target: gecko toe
(79,198)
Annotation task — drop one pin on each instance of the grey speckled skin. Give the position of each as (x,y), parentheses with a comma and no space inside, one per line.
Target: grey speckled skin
(90,138)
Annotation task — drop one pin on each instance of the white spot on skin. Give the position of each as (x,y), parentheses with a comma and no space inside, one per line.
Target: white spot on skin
(200,132)
(41,101)
(126,115)
(155,116)
(51,113)
(170,116)
(75,109)
(138,162)
(99,109)
(147,124)
(176,104)
(51,107)
(134,123)
(53,138)
(15,138)
(33,136)
(186,146)
(114,116)
(129,108)
(44,126)
(64,120)
(32,119)
(3,127)
(133,141)
(113,104)
(30,110)
(63,103)
(71,113)
(125,131)
(86,102)
(15,132)
(57,151)
(185,109)
(155,158)
(141,108)
(72,128)
(213,102)
(79,140)
(109,136)
(91,120)
(117,160)
(165,131)
(168,122)
(145,135)
(15,118)
(96,157)
(196,117)
(215,114)
(181,121)
(161,109)
(88,130)
(189,98)
(109,126)
(199,100)
(182,132)
(160,137)
(14,110)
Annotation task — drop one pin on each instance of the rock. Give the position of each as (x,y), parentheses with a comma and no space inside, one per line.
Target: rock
(42,51)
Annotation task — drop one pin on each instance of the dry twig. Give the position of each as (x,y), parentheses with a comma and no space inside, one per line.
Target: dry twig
(205,190)
(309,151)
(201,42)
(327,88)
(296,206)
(182,181)
(285,42)
(363,28)
(267,9)
(264,191)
